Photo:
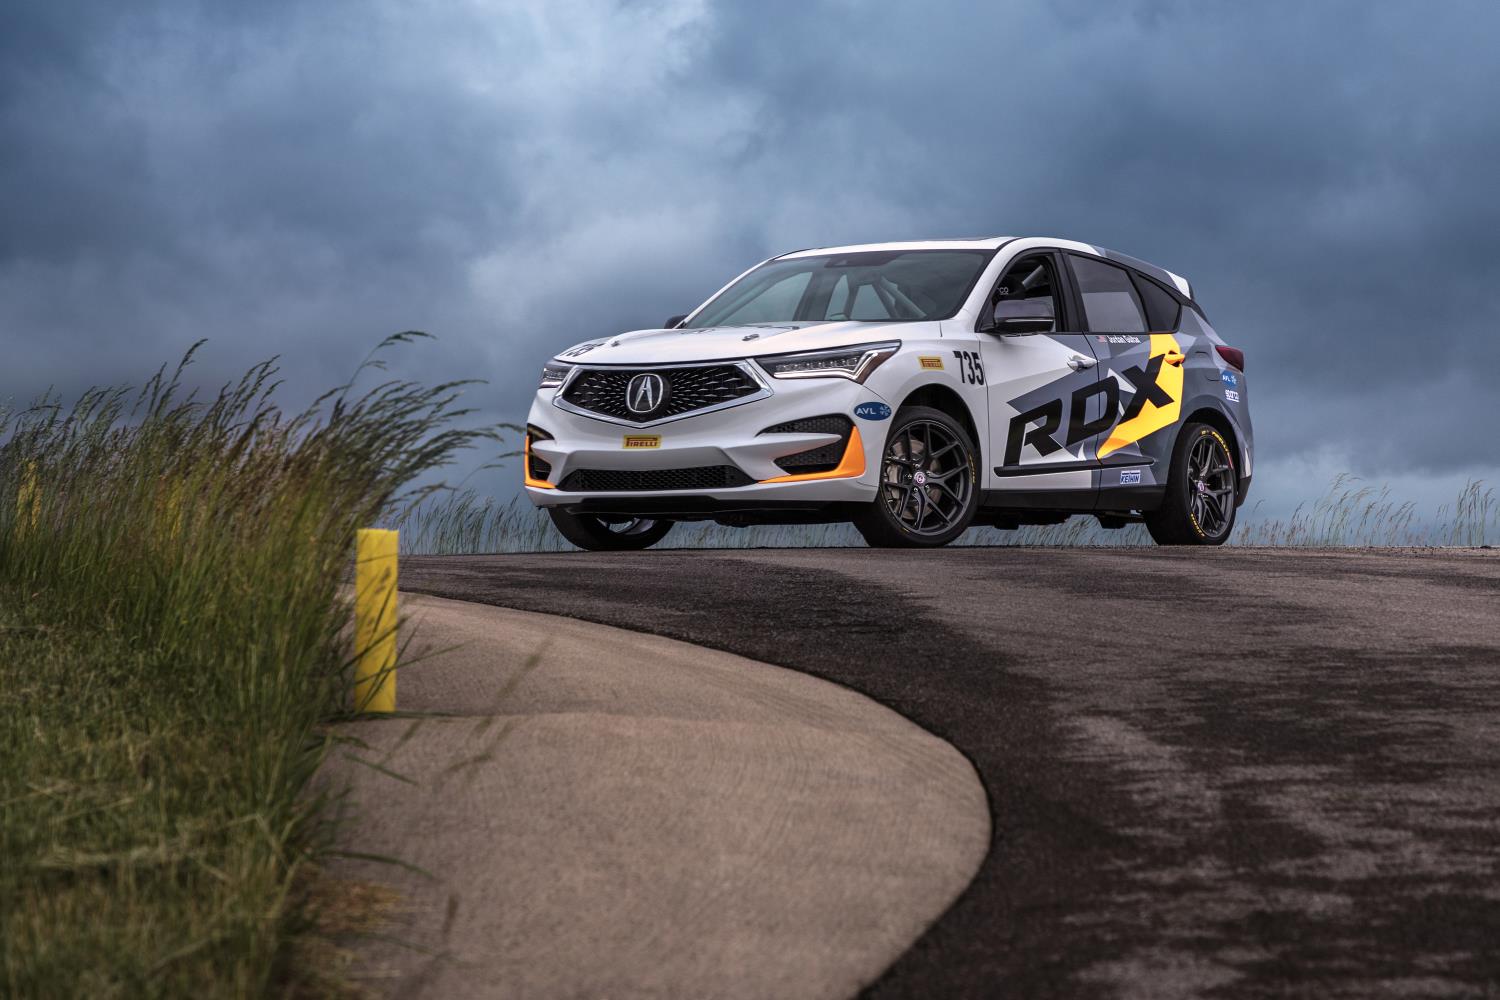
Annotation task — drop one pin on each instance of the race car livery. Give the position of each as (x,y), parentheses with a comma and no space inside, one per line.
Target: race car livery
(913,389)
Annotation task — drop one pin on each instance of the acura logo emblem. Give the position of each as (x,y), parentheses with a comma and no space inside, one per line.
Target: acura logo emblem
(645,394)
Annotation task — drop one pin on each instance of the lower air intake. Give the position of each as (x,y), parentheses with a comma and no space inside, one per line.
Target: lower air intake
(822,459)
(708,477)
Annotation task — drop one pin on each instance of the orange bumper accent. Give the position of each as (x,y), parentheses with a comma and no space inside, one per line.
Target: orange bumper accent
(851,466)
(536,484)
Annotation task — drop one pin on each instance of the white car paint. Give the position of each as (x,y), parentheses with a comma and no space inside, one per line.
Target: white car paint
(733,435)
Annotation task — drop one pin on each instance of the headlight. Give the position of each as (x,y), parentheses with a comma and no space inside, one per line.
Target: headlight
(853,363)
(554,375)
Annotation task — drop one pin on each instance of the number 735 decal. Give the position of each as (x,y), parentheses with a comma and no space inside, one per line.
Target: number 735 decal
(970,367)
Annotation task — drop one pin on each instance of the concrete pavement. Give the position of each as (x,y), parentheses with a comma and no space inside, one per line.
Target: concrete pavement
(610,814)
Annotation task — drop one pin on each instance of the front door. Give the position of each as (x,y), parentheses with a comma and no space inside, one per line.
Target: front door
(1046,411)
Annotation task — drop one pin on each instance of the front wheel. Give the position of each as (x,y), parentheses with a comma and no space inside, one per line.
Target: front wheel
(602,533)
(1200,502)
(928,483)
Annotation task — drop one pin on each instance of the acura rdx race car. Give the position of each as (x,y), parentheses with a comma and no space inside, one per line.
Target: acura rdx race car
(913,389)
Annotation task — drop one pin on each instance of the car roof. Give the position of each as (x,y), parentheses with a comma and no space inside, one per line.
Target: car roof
(975,243)
(996,242)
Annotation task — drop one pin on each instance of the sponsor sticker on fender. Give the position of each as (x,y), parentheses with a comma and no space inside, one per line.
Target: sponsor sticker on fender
(1231,395)
(872,411)
(1130,477)
(929,361)
(642,441)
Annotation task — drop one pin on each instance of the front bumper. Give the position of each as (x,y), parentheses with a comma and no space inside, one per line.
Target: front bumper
(726,437)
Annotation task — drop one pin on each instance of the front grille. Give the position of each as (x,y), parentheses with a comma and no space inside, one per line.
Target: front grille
(603,390)
(822,459)
(708,477)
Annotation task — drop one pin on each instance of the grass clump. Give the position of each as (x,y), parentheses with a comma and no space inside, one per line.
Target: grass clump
(172,635)
(1355,513)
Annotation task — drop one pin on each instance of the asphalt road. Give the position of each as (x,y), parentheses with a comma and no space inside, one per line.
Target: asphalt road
(1212,773)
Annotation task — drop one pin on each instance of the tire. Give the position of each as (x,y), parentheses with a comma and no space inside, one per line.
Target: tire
(597,534)
(901,515)
(1199,505)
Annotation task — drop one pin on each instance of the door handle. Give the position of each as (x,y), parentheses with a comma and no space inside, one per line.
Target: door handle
(1078,362)
(1174,357)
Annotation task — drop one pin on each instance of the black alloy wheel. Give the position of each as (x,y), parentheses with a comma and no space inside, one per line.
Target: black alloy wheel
(928,483)
(1200,501)
(609,533)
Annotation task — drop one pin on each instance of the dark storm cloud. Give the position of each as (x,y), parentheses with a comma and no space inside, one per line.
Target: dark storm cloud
(303,177)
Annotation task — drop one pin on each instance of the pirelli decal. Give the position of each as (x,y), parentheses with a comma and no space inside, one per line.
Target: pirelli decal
(931,361)
(642,441)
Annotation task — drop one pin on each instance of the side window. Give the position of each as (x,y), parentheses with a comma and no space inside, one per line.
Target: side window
(1110,303)
(1162,307)
(1028,289)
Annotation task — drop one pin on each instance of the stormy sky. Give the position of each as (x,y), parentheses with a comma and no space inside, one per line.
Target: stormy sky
(303,178)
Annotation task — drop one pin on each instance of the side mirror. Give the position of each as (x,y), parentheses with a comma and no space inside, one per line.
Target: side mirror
(673,322)
(1023,324)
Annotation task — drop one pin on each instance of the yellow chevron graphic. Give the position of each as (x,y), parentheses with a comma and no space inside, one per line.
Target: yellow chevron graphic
(1152,418)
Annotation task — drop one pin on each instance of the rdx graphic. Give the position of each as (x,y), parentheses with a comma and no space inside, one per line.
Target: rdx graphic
(1048,418)
(913,389)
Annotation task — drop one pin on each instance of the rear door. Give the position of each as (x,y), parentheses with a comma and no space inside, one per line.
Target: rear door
(1140,371)
(1041,387)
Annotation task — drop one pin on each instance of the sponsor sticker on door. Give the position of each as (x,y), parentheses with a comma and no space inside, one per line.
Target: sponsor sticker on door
(642,441)
(1130,477)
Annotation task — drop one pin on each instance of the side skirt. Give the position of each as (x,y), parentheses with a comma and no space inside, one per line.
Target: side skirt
(1115,498)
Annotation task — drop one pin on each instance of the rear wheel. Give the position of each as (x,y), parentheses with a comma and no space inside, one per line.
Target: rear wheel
(1199,505)
(603,533)
(928,483)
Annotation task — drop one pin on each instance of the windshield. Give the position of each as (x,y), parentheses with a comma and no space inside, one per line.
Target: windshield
(871,286)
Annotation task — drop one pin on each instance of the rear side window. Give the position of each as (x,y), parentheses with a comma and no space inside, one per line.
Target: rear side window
(1162,307)
(1110,302)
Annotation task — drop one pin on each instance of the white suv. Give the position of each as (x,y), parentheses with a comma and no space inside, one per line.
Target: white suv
(912,389)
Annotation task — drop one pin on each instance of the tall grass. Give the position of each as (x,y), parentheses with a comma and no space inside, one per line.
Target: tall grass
(1350,513)
(1353,512)
(171,638)
(464,523)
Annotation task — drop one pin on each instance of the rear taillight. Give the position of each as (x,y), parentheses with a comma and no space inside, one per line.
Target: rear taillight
(1233,355)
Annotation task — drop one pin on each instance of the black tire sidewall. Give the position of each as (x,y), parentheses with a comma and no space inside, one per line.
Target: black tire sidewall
(1174,523)
(590,534)
(876,523)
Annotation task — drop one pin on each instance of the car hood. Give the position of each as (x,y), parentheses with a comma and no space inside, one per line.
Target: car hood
(716,343)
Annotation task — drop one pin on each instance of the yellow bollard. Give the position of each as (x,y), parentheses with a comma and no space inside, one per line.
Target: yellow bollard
(375,620)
